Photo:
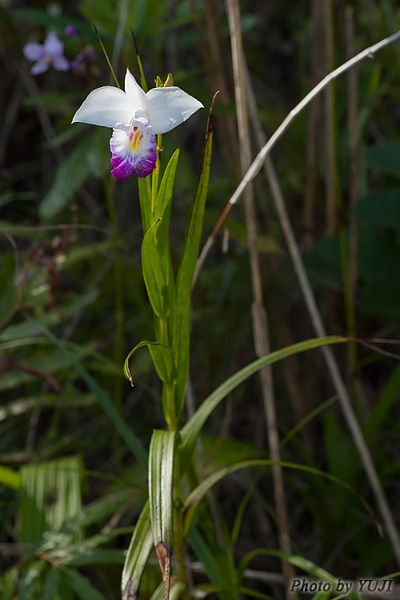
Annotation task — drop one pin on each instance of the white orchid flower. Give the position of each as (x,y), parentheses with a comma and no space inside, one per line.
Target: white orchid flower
(136,117)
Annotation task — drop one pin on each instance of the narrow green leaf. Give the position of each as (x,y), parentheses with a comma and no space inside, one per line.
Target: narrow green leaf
(82,162)
(125,431)
(10,478)
(51,584)
(81,585)
(29,580)
(220,577)
(192,428)
(162,360)
(144,186)
(297,561)
(196,495)
(137,556)
(161,472)
(8,583)
(51,492)
(186,270)
(153,273)
(106,57)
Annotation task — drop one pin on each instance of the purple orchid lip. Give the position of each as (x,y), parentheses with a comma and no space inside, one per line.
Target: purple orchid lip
(133,149)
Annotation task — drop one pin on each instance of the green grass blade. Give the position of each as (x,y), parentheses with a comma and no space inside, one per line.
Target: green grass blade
(51,492)
(10,478)
(297,561)
(220,578)
(8,583)
(161,472)
(192,428)
(81,586)
(125,431)
(186,271)
(51,584)
(137,556)
(196,495)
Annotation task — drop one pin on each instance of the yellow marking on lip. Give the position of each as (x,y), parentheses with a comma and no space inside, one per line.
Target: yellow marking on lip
(136,139)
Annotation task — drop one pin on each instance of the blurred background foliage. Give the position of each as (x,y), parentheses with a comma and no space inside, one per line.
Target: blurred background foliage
(70,486)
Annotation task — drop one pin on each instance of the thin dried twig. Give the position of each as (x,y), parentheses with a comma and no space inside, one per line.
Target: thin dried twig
(266,149)
(259,313)
(330,142)
(313,114)
(352,112)
(319,329)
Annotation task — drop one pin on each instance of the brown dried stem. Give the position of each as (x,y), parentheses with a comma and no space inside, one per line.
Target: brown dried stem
(259,313)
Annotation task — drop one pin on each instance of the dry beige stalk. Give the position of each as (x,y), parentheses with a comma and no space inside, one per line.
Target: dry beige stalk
(259,313)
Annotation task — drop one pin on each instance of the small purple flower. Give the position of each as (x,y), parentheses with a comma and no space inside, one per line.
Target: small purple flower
(82,60)
(44,55)
(71,30)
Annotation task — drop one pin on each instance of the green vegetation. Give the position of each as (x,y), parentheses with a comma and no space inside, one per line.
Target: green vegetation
(183,428)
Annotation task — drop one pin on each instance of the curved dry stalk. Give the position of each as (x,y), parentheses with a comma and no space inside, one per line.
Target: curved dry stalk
(259,313)
(266,149)
(319,329)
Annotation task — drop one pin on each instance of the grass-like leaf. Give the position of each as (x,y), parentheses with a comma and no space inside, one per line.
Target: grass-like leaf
(10,478)
(71,175)
(81,586)
(51,492)
(192,428)
(138,553)
(161,472)
(125,431)
(194,498)
(186,270)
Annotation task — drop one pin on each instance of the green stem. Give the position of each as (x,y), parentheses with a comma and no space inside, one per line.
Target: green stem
(169,388)
(156,177)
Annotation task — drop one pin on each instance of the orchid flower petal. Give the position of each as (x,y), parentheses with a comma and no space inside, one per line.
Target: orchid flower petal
(133,149)
(41,66)
(60,63)
(169,107)
(53,45)
(33,51)
(105,106)
(134,92)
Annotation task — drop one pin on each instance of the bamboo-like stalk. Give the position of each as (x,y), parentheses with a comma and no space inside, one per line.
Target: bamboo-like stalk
(312,127)
(319,329)
(352,102)
(208,32)
(259,313)
(330,142)
(266,149)
(259,161)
